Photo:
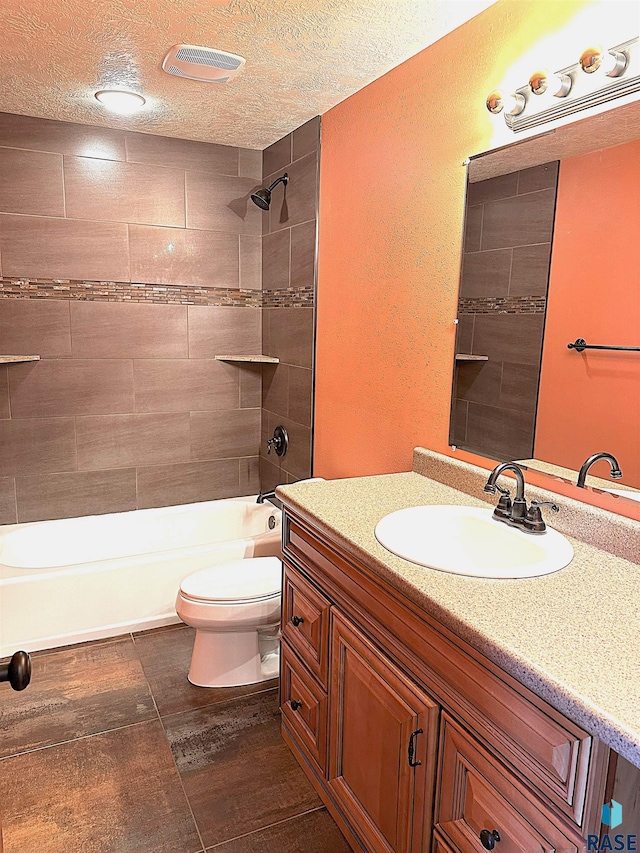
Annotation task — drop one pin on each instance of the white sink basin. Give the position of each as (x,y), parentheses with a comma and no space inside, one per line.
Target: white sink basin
(468,541)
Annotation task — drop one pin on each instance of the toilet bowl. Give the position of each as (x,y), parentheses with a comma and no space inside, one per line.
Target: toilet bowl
(235,609)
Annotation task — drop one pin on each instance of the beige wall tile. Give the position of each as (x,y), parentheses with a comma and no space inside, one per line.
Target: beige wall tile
(220,203)
(166,485)
(250,163)
(62,137)
(128,330)
(303,252)
(271,475)
(217,330)
(306,138)
(298,202)
(31,182)
(249,475)
(8,513)
(63,248)
(277,156)
(79,493)
(51,388)
(184,256)
(121,441)
(276,250)
(181,153)
(225,434)
(37,446)
(291,335)
(300,395)
(250,262)
(167,385)
(35,327)
(275,388)
(250,385)
(123,192)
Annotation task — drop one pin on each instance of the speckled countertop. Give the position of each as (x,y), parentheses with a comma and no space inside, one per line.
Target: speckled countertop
(572,637)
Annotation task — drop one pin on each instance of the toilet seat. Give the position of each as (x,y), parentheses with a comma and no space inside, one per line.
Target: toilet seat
(240,582)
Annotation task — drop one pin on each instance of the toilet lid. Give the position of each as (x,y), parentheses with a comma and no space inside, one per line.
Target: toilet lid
(242,580)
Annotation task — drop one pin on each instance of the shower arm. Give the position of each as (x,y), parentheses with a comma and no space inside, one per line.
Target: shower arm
(282,179)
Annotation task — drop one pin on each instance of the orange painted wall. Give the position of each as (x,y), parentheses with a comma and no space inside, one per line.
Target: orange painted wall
(594,294)
(391,206)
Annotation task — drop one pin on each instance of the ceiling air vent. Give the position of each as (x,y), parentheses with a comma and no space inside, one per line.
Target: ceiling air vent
(202,63)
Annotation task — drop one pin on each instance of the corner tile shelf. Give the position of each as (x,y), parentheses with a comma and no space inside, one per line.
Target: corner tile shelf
(16,359)
(249,359)
(462,356)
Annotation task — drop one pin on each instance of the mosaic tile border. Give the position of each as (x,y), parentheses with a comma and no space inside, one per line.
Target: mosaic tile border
(502,305)
(289,297)
(160,294)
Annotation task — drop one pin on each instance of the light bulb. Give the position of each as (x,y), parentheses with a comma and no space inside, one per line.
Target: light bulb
(119,101)
(610,62)
(514,104)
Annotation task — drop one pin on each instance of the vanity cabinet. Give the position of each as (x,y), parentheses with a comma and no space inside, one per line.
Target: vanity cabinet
(415,742)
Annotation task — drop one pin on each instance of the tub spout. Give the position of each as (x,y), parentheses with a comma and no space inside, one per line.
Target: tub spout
(264,496)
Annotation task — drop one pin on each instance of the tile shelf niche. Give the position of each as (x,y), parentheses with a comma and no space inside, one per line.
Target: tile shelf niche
(16,359)
(462,356)
(250,359)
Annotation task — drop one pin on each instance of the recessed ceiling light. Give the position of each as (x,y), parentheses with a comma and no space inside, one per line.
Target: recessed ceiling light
(119,101)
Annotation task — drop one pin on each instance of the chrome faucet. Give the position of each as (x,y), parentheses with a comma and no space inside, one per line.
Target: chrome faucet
(616,473)
(516,513)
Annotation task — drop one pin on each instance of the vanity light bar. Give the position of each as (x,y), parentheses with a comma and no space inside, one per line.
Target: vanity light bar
(597,77)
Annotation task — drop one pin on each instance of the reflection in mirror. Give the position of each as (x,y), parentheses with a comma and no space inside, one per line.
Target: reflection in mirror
(551,254)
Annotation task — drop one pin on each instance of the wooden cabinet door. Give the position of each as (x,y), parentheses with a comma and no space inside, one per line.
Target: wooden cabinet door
(382,745)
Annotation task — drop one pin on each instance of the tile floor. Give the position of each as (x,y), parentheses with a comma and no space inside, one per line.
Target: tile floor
(111,750)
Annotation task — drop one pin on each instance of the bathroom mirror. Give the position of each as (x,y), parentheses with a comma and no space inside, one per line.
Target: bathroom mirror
(551,254)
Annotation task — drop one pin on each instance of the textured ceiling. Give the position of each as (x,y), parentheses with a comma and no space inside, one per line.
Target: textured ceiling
(303,57)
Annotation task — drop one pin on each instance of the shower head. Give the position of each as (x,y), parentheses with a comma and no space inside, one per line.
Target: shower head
(263,197)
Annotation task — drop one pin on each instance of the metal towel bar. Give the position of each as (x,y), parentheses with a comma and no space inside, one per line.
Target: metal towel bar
(580,344)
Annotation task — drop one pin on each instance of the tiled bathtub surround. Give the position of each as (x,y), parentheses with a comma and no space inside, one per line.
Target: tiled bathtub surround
(288,316)
(501,310)
(126,408)
(128,261)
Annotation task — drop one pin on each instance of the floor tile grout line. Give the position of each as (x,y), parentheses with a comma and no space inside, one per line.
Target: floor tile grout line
(263,828)
(180,779)
(173,759)
(218,702)
(76,739)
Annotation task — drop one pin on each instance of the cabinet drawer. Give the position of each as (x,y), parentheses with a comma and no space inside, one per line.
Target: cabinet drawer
(478,796)
(305,622)
(304,706)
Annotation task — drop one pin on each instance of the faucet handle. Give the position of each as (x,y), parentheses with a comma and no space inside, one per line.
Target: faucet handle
(534,522)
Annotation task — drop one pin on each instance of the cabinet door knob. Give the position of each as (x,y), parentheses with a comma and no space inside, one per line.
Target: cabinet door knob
(295,704)
(297,620)
(488,838)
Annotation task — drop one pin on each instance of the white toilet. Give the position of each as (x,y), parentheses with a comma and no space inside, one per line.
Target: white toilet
(235,609)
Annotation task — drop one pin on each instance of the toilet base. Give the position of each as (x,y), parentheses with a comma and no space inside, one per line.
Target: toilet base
(230,659)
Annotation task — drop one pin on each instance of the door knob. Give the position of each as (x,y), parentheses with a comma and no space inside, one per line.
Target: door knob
(18,671)
(295,704)
(297,620)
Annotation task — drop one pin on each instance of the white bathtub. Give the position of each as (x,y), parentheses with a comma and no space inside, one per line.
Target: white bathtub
(99,576)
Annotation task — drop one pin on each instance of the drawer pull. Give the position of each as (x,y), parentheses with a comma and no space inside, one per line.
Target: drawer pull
(412,749)
(297,620)
(488,839)
(295,704)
